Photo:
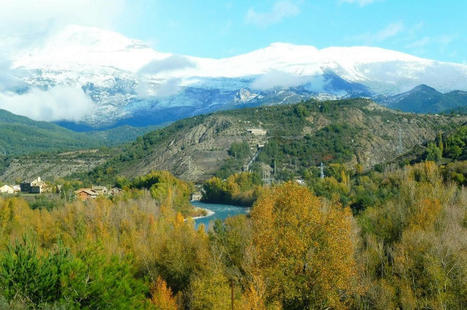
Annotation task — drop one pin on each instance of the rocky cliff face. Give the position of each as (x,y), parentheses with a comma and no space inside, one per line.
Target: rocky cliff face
(198,152)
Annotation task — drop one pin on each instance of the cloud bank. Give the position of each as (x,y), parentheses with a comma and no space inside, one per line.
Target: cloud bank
(279,11)
(25,23)
(56,104)
(171,63)
(149,89)
(278,79)
(10,79)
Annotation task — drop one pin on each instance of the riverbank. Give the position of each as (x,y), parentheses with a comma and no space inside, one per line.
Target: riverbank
(207,212)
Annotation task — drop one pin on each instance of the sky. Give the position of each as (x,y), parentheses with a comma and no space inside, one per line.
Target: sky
(432,29)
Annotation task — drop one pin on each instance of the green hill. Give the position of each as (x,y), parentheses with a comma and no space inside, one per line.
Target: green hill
(278,142)
(20,135)
(425,99)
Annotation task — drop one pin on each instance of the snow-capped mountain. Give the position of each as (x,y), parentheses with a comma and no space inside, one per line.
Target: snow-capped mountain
(129,82)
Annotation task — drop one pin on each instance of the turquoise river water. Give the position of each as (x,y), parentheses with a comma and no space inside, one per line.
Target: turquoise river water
(221,212)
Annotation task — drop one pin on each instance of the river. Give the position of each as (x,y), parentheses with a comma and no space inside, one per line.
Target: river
(221,212)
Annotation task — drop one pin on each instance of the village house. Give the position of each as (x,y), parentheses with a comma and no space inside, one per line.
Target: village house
(257,131)
(85,194)
(100,190)
(6,189)
(36,186)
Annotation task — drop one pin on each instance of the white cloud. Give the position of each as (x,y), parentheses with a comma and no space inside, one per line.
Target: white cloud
(359,2)
(441,41)
(277,79)
(149,89)
(58,103)
(27,22)
(169,88)
(384,34)
(419,43)
(171,63)
(10,78)
(279,11)
(389,32)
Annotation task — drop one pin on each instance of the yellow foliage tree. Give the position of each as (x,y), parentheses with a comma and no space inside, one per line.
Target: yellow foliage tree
(304,251)
(210,291)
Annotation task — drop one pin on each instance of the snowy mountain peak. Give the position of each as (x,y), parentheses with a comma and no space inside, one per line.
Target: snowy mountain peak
(125,77)
(94,39)
(76,46)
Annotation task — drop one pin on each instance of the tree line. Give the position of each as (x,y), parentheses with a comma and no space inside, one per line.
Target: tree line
(299,248)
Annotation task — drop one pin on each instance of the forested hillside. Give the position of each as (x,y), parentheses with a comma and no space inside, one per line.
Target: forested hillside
(278,142)
(20,135)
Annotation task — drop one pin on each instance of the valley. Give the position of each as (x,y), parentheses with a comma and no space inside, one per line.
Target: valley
(233,155)
(21,136)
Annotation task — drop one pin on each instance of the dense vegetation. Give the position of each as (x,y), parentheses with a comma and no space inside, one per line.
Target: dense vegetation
(239,189)
(164,188)
(351,185)
(299,137)
(391,238)
(452,146)
(239,153)
(404,248)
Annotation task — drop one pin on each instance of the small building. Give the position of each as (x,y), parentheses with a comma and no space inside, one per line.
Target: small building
(36,186)
(85,194)
(300,181)
(6,189)
(257,131)
(100,190)
(17,188)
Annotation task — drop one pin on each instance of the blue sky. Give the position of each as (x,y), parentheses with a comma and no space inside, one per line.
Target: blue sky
(430,28)
(214,28)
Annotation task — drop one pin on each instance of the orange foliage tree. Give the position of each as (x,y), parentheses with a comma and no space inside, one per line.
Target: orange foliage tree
(161,296)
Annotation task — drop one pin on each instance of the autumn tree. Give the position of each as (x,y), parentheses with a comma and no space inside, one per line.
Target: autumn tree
(304,249)
(162,297)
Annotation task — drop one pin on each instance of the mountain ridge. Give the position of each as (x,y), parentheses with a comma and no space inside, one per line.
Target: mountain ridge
(426,99)
(126,78)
